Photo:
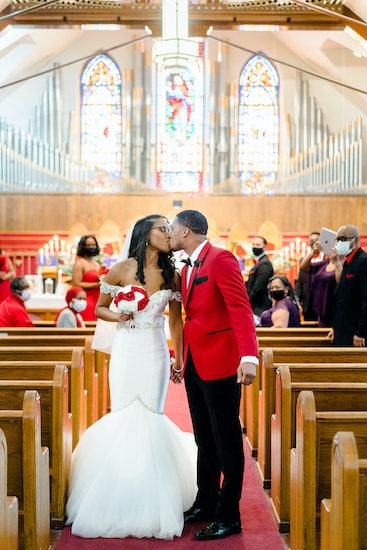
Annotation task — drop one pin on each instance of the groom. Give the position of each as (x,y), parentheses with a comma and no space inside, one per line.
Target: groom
(220,352)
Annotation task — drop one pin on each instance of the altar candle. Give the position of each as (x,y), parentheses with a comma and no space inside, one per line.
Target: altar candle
(47,250)
(57,243)
(286,253)
(303,249)
(291,249)
(59,277)
(41,256)
(281,256)
(62,245)
(52,250)
(298,242)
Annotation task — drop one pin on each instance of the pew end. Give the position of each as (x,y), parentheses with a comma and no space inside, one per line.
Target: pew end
(8,504)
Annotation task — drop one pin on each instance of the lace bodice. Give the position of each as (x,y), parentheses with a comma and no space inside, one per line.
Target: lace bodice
(152,316)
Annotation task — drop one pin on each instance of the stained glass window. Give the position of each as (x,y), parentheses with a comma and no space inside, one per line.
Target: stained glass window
(180,126)
(101,120)
(258,146)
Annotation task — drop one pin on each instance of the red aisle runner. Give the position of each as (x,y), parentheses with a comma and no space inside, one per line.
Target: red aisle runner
(259,530)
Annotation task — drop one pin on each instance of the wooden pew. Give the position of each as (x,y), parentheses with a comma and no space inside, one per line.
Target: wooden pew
(8,504)
(292,331)
(45,331)
(77,393)
(270,359)
(56,423)
(75,339)
(336,396)
(56,426)
(249,416)
(28,470)
(311,465)
(344,515)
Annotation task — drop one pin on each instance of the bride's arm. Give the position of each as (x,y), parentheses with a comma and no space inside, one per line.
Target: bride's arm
(112,279)
(175,326)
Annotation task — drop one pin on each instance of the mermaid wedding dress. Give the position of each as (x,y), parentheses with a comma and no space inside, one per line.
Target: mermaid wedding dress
(133,472)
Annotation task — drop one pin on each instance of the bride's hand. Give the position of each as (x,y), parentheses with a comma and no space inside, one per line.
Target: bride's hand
(176,373)
(125,317)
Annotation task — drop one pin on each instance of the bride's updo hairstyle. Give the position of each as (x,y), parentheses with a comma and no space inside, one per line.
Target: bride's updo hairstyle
(137,250)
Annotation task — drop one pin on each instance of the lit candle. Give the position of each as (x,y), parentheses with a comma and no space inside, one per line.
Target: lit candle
(73,254)
(59,277)
(57,243)
(52,249)
(41,256)
(303,249)
(286,253)
(298,242)
(281,256)
(62,245)
(291,249)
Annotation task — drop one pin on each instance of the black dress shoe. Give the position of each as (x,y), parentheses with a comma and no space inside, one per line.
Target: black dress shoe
(195,513)
(218,530)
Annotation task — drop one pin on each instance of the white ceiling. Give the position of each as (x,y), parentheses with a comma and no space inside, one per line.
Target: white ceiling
(25,51)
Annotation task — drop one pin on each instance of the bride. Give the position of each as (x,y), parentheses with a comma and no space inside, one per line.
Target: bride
(133,472)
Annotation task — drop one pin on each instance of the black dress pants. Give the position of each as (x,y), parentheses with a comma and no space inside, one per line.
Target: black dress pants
(214,408)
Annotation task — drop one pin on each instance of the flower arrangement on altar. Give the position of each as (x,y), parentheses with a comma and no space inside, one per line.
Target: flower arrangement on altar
(131,298)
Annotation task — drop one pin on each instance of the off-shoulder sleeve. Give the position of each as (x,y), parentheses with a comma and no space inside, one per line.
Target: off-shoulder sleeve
(109,289)
(176,296)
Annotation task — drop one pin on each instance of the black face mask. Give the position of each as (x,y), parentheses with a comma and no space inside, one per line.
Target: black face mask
(277,294)
(91,251)
(257,251)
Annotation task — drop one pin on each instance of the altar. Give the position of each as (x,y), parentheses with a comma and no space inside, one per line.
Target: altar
(45,306)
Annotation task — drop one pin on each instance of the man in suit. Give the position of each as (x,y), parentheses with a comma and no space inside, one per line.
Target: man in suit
(220,353)
(350,301)
(259,275)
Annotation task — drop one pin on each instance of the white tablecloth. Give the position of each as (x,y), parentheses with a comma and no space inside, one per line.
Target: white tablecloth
(46,301)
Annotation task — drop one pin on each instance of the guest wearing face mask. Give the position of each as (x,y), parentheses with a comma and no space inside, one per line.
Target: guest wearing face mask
(70,316)
(284,311)
(303,283)
(322,284)
(350,299)
(258,279)
(86,273)
(12,310)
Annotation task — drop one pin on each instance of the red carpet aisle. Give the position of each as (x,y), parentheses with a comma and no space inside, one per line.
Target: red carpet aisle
(258,527)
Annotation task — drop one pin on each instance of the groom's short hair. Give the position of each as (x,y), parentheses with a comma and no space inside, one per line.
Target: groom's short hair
(193,220)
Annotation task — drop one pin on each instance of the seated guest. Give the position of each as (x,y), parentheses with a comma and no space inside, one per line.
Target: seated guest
(284,311)
(12,310)
(69,316)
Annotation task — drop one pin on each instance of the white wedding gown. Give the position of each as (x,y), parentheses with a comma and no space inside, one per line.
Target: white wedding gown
(134,472)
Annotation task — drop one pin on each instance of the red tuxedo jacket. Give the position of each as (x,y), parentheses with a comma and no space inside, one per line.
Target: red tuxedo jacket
(219,327)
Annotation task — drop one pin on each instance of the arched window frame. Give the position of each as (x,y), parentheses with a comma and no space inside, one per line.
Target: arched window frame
(258,129)
(101,120)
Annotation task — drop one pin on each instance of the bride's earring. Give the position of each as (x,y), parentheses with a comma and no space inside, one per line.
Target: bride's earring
(146,242)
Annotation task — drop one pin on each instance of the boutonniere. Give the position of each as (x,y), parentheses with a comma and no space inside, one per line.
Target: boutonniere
(131,298)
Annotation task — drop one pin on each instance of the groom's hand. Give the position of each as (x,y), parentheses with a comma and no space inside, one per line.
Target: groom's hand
(246,373)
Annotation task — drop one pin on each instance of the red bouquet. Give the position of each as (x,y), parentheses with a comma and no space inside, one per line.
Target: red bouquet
(131,298)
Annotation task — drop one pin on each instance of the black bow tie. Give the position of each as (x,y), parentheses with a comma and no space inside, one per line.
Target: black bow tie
(187,261)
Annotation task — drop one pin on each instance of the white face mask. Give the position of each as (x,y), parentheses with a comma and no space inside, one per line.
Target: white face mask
(26,295)
(79,305)
(343,248)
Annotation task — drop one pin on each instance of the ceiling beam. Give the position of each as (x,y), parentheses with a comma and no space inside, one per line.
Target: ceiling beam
(202,16)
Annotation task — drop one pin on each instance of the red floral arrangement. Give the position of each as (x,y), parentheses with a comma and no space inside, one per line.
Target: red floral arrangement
(135,298)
